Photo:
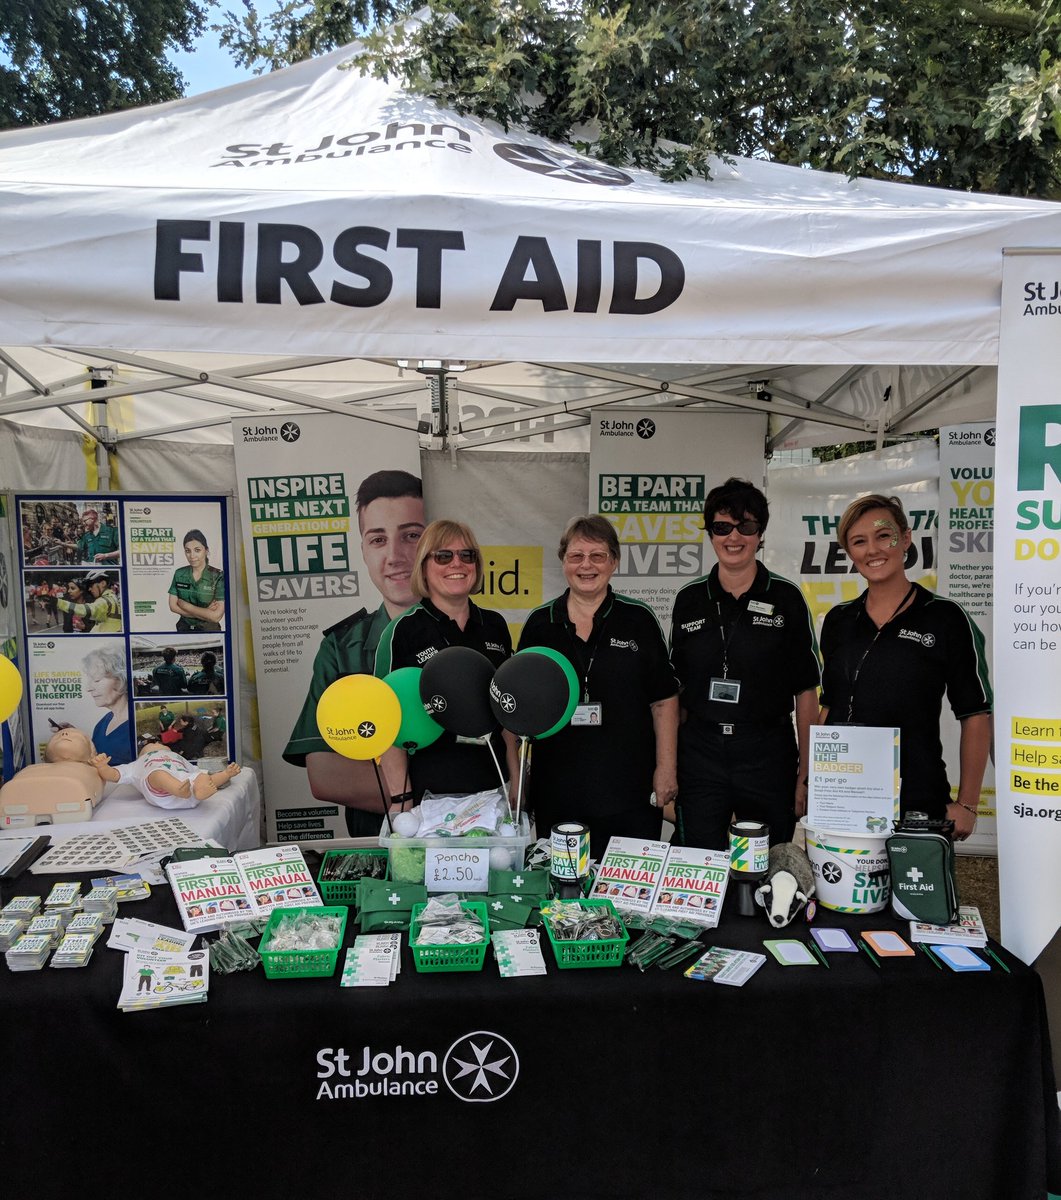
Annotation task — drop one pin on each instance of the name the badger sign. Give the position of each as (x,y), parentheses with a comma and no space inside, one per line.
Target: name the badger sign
(363,262)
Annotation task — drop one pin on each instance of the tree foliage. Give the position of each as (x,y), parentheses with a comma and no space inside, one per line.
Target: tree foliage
(963,95)
(59,59)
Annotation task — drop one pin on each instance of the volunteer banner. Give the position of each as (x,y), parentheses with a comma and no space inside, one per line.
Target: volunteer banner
(125,614)
(650,471)
(1027,602)
(965,548)
(332,511)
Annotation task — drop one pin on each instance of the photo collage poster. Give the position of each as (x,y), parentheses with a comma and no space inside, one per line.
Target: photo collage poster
(126,622)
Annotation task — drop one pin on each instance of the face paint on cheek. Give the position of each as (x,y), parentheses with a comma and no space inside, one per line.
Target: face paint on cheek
(888,524)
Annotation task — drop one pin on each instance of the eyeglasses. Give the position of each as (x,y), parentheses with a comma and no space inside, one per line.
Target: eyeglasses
(446,556)
(725,528)
(597,557)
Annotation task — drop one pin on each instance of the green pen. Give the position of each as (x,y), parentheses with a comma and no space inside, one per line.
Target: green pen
(872,957)
(932,958)
(998,960)
(818,954)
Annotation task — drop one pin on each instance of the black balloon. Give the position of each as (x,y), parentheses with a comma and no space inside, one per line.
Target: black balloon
(530,694)
(455,686)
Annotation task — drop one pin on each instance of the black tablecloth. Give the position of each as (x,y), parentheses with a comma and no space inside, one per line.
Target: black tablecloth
(891,1084)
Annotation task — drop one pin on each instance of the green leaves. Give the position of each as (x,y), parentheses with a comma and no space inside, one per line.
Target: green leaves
(949,93)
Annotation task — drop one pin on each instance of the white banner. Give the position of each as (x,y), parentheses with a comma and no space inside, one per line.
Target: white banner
(316,211)
(965,546)
(1027,602)
(806,504)
(649,473)
(310,567)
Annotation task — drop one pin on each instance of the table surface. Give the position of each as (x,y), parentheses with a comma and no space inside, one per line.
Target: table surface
(906,1081)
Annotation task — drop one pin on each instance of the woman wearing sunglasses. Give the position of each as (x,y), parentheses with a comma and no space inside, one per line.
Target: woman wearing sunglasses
(620,745)
(742,643)
(447,569)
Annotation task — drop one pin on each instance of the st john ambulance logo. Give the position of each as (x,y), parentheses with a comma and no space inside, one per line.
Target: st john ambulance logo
(832,873)
(290,432)
(558,164)
(480,1067)
(366,730)
(507,702)
(646,428)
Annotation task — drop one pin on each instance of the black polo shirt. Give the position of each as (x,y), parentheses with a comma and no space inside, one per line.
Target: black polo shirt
(590,770)
(768,639)
(897,677)
(411,640)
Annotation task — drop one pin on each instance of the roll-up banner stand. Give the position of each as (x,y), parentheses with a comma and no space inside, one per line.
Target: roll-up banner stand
(649,471)
(1027,601)
(965,554)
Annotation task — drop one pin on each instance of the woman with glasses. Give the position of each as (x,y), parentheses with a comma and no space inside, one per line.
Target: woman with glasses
(447,569)
(891,654)
(742,643)
(621,744)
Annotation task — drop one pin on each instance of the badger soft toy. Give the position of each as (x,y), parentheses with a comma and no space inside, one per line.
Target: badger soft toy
(789,884)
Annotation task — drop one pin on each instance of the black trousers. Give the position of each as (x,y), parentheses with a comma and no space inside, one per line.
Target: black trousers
(747,775)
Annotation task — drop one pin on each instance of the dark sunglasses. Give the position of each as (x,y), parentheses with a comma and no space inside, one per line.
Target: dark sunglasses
(725,528)
(446,556)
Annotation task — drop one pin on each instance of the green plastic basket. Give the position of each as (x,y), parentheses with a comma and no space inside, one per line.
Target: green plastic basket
(344,891)
(450,958)
(301,964)
(608,952)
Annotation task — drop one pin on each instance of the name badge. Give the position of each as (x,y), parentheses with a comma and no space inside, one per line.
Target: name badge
(725,691)
(588,714)
(761,607)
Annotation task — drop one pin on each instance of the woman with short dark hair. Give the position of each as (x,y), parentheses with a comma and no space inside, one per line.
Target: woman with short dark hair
(742,643)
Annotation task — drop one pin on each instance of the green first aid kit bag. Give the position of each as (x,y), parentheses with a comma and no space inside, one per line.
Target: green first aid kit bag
(921,857)
(384,905)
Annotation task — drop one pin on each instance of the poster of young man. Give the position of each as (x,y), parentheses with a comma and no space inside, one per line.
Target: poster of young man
(331,522)
(176,565)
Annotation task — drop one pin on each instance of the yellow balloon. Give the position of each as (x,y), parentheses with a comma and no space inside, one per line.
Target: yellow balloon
(10,687)
(359,716)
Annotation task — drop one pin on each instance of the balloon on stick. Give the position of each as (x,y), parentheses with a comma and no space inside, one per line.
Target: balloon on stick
(359,717)
(418,729)
(455,686)
(533,694)
(10,687)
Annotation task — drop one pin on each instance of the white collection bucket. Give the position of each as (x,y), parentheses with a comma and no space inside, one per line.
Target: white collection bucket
(850,869)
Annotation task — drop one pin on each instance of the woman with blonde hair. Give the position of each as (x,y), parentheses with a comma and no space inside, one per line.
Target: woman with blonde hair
(448,568)
(891,655)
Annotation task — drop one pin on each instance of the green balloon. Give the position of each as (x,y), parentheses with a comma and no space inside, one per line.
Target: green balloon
(418,728)
(572,683)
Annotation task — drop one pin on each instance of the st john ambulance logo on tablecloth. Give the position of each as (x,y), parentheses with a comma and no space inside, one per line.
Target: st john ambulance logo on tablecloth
(480,1067)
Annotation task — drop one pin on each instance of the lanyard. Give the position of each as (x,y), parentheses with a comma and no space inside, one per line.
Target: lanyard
(865,653)
(592,645)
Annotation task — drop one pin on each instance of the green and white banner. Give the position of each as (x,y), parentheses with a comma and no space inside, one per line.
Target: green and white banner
(314,559)
(965,553)
(649,471)
(1027,602)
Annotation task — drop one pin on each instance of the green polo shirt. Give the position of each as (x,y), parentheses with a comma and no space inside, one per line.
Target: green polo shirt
(104,540)
(348,648)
